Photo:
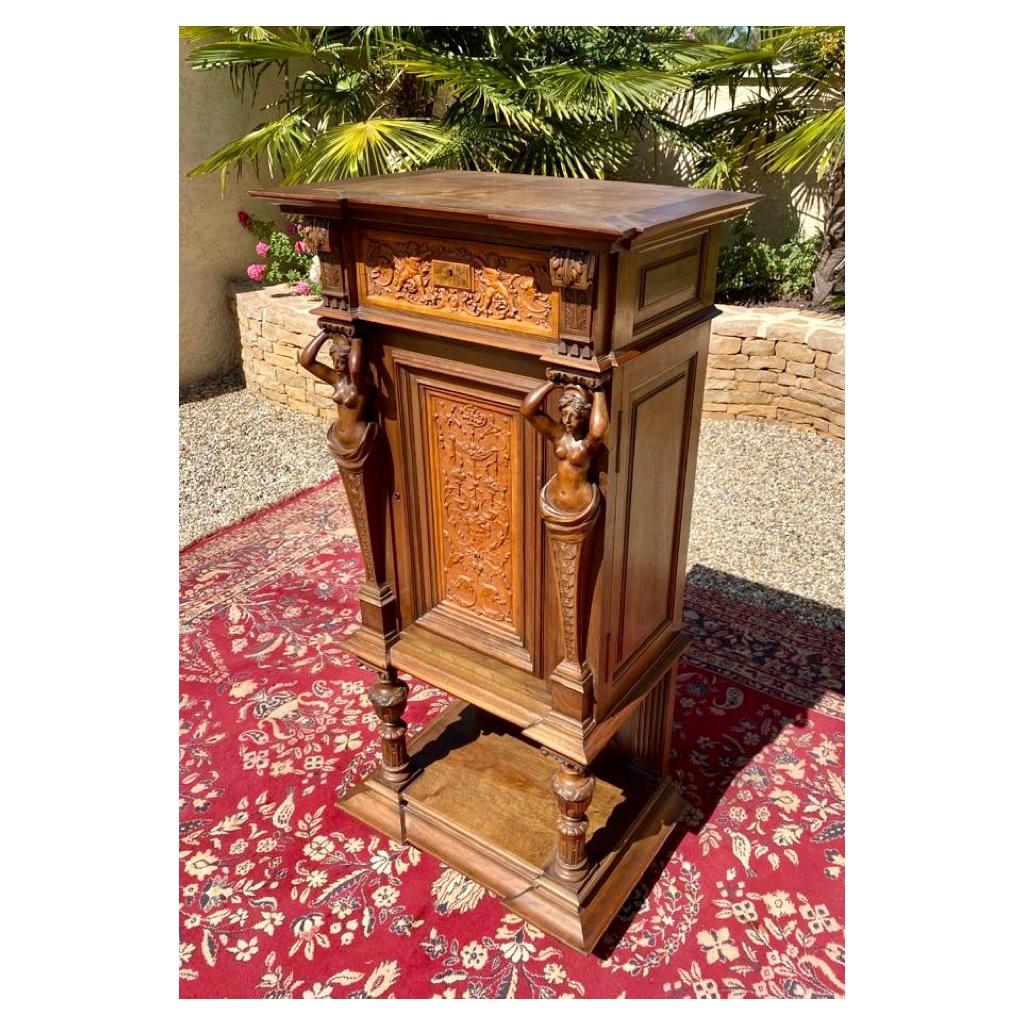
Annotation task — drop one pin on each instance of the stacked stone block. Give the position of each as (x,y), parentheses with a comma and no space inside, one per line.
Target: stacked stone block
(770,363)
(784,365)
(274,326)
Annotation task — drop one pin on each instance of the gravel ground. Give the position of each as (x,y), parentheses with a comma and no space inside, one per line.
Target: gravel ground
(768,509)
(238,453)
(768,518)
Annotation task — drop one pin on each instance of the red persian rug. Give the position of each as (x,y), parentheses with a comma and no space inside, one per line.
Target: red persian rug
(282,896)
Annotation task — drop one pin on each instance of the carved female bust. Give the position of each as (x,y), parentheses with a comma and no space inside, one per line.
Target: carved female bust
(583,423)
(351,389)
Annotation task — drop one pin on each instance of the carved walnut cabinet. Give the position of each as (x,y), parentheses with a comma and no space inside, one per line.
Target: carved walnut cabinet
(518,364)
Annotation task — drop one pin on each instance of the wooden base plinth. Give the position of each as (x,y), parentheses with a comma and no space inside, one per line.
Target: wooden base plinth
(479,798)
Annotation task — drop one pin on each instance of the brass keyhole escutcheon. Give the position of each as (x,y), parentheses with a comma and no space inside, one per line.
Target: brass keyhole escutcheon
(446,274)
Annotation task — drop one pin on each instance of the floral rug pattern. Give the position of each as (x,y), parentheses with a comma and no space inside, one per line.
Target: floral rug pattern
(283,896)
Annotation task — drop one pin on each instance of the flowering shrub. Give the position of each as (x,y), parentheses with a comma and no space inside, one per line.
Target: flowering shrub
(283,258)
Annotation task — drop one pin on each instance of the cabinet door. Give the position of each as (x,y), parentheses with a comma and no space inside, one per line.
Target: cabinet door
(656,413)
(471,464)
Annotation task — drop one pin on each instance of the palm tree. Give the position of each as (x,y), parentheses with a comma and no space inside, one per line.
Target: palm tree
(788,115)
(571,101)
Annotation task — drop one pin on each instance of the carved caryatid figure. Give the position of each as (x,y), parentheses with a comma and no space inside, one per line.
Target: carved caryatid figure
(569,504)
(352,438)
(353,431)
(570,493)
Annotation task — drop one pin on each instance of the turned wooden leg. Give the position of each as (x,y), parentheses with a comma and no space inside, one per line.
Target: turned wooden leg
(388,696)
(574,789)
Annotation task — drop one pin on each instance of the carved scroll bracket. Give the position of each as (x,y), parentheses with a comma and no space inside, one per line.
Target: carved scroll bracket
(572,271)
(566,378)
(323,237)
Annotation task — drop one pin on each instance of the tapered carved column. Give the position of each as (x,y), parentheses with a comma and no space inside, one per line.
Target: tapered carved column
(388,696)
(567,537)
(574,789)
(355,440)
(570,504)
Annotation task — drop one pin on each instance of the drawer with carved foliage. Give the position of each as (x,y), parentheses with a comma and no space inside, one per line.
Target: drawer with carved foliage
(489,286)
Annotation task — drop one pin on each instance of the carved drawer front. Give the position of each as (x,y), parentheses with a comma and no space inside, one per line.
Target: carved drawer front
(490,286)
(470,463)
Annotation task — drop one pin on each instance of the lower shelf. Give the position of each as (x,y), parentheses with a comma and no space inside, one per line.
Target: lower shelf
(480,799)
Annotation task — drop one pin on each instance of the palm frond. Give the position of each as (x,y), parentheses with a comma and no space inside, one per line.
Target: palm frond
(193,33)
(688,53)
(581,92)
(277,143)
(338,94)
(373,146)
(477,83)
(570,150)
(818,142)
(372,38)
(243,51)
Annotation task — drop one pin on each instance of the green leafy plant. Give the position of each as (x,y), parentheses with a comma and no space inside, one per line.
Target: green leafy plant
(568,100)
(788,115)
(571,101)
(282,257)
(755,270)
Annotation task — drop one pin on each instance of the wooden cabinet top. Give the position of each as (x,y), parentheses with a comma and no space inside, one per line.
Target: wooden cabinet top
(612,210)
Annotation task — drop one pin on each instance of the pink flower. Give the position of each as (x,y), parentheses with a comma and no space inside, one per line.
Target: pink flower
(300,247)
(262,248)
(293,228)
(244,219)
(256,271)
(302,288)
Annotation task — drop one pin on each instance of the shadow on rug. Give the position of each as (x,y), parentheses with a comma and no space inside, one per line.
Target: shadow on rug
(283,896)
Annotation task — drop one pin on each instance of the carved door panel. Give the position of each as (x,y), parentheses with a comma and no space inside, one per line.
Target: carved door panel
(471,465)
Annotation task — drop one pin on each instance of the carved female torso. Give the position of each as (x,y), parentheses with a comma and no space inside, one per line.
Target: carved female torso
(352,392)
(570,490)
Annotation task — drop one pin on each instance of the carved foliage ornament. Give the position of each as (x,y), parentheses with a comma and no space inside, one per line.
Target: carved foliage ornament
(503,287)
(572,268)
(473,455)
(316,234)
(566,555)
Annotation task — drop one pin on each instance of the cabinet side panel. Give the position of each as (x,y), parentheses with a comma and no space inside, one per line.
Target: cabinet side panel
(657,418)
(657,415)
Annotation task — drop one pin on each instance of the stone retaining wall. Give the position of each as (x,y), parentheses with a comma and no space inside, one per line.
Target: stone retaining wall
(783,365)
(772,363)
(274,326)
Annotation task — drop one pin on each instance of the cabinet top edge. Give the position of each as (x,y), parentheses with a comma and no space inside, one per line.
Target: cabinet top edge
(614,210)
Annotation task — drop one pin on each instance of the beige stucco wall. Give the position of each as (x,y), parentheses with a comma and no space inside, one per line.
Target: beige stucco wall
(790,204)
(213,248)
